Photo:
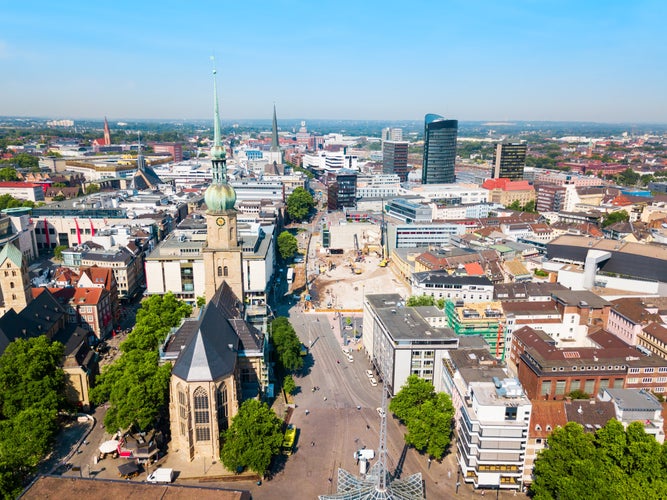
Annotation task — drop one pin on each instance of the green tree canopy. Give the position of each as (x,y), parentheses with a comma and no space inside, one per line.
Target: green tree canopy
(136,385)
(8,174)
(420,300)
(23,161)
(8,201)
(287,344)
(289,386)
(614,217)
(287,245)
(253,438)
(299,204)
(32,391)
(612,463)
(427,416)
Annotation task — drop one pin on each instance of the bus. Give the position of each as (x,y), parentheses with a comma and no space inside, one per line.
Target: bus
(288,440)
(290,274)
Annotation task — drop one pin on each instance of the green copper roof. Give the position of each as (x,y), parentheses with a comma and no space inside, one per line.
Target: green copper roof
(12,253)
(219,196)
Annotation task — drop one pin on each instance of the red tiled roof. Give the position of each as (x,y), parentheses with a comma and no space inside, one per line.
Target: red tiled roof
(474,269)
(17,184)
(88,296)
(546,415)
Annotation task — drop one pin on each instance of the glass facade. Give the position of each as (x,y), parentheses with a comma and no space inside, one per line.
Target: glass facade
(509,160)
(439,150)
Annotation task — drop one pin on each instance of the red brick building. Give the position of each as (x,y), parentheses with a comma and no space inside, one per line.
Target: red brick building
(548,372)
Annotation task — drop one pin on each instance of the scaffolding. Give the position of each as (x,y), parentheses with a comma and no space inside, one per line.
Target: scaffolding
(484,318)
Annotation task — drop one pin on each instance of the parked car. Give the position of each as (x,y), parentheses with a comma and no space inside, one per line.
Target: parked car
(369,373)
(373,381)
(380,411)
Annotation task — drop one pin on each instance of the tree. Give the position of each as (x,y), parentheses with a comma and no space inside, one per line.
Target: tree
(289,386)
(579,394)
(253,438)
(32,389)
(8,174)
(612,463)
(58,252)
(430,428)
(201,301)
(614,217)
(420,300)
(287,245)
(137,386)
(287,344)
(299,204)
(427,416)
(92,188)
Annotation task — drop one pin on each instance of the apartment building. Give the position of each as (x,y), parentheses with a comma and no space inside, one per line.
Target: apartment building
(401,341)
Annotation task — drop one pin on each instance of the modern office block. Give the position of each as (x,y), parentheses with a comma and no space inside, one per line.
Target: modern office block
(439,150)
(509,159)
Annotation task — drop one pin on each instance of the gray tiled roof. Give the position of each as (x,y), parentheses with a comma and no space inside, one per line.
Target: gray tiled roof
(212,352)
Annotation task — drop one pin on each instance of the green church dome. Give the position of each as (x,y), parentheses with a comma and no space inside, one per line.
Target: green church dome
(220,197)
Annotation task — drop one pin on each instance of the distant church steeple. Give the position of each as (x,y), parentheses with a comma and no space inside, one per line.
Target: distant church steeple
(107,132)
(275,144)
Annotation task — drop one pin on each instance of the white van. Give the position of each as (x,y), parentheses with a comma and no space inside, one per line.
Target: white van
(161,475)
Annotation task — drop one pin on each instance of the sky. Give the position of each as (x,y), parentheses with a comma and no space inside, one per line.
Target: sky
(560,60)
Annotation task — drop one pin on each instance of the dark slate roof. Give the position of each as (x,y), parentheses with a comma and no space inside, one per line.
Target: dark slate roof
(591,414)
(442,277)
(250,338)
(212,352)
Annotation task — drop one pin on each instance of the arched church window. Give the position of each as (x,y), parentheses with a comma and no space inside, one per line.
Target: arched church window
(225,271)
(223,407)
(202,415)
(219,270)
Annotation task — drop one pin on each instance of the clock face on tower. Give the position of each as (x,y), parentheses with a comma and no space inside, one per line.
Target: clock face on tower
(220,221)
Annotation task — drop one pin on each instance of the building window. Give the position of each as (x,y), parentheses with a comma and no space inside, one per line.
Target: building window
(647,380)
(633,370)
(202,415)
(589,386)
(510,412)
(222,406)
(546,387)
(560,387)
(11,284)
(182,405)
(225,271)
(219,270)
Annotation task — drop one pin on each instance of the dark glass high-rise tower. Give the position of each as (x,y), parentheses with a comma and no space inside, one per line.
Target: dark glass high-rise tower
(509,159)
(439,150)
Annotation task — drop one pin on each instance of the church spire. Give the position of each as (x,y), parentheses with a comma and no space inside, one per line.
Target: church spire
(219,195)
(275,145)
(107,132)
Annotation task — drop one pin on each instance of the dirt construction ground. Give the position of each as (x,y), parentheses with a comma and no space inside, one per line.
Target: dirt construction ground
(344,289)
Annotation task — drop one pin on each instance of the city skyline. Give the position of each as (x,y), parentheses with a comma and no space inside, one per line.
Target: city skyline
(552,61)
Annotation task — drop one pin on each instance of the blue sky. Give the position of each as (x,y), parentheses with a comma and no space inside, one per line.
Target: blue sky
(582,60)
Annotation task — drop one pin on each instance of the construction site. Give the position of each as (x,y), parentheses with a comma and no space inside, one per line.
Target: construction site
(344,262)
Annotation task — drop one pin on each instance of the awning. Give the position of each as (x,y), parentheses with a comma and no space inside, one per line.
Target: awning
(109,446)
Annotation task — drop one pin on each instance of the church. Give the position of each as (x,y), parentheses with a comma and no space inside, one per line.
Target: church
(221,357)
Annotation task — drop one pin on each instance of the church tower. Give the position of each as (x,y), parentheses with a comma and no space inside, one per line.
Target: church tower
(107,132)
(222,252)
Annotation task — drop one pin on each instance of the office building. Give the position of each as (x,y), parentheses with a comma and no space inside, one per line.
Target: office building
(509,159)
(392,134)
(342,193)
(401,341)
(395,159)
(439,150)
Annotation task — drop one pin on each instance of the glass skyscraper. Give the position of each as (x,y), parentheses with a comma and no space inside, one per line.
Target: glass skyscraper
(439,150)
